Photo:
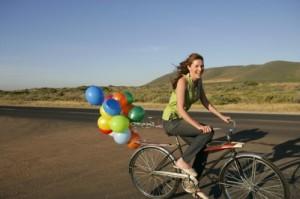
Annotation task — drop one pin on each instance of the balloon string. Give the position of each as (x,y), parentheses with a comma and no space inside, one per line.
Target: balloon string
(146,125)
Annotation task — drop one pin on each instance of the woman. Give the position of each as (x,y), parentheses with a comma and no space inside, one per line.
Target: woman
(187,89)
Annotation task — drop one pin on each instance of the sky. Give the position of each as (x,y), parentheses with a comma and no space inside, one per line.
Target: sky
(70,43)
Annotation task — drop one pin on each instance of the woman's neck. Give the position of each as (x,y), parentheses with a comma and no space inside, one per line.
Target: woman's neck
(194,80)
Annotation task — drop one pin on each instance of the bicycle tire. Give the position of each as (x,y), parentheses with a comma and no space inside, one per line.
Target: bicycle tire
(234,177)
(148,157)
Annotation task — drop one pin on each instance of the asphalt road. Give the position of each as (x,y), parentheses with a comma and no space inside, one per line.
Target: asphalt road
(59,153)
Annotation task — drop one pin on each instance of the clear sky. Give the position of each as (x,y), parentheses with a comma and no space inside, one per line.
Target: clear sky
(60,43)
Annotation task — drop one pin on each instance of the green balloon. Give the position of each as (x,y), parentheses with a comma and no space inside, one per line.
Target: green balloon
(129,97)
(119,123)
(136,114)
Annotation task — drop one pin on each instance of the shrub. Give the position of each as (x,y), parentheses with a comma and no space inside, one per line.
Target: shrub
(222,99)
(250,83)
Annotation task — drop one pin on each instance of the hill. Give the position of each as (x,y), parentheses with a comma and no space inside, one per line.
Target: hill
(275,71)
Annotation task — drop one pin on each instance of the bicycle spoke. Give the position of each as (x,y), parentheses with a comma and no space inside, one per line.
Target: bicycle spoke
(253,170)
(233,183)
(234,177)
(165,186)
(237,176)
(246,167)
(272,186)
(141,183)
(145,160)
(263,196)
(156,187)
(276,195)
(143,163)
(236,168)
(251,177)
(155,184)
(152,186)
(142,168)
(267,179)
(236,192)
(244,195)
(263,176)
(165,183)
(162,186)
(151,160)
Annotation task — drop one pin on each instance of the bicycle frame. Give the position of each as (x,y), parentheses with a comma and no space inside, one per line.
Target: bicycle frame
(231,146)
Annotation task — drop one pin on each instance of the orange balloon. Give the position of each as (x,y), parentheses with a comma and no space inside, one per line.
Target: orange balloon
(134,141)
(126,109)
(106,132)
(121,98)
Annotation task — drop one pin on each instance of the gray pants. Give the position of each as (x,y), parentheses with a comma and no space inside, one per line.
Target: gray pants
(192,136)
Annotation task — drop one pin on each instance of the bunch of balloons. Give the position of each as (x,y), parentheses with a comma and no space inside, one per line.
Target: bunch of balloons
(116,114)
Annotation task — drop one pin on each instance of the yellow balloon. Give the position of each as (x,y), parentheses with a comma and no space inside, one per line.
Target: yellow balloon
(104,114)
(103,123)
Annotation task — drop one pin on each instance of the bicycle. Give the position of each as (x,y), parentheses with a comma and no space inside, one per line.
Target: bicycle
(244,175)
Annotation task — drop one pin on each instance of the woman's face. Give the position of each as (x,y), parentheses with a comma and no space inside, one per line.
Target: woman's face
(196,69)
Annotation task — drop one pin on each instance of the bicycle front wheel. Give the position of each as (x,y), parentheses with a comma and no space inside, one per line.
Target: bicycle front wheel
(141,167)
(250,176)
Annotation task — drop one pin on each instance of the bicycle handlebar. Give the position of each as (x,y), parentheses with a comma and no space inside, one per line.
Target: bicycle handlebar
(230,131)
(230,122)
(233,123)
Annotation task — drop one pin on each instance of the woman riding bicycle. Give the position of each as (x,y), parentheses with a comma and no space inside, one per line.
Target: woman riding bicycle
(188,89)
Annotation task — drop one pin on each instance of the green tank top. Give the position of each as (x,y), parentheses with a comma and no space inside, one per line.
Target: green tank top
(191,96)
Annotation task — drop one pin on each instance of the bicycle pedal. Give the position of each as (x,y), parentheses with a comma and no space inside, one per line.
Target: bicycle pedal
(189,186)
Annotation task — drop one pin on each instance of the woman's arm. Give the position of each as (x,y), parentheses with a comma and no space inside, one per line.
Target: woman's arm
(210,107)
(180,95)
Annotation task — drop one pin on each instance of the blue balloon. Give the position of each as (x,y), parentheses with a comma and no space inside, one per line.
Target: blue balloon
(122,138)
(112,107)
(94,95)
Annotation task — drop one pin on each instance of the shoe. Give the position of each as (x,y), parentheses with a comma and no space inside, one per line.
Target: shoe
(189,171)
(199,194)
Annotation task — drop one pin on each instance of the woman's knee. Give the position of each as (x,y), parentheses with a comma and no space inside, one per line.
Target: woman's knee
(209,136)
(205,136)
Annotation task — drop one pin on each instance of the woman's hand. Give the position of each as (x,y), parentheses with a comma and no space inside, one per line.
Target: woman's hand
(226,119)
(205,129)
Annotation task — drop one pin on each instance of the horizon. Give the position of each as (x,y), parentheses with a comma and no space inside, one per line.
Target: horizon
(76,86)
(73,43)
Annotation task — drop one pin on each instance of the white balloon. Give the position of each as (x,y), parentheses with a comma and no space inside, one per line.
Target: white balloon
(123,137)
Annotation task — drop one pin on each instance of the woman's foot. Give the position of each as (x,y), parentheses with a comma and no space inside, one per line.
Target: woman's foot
(182,164)
(185,167)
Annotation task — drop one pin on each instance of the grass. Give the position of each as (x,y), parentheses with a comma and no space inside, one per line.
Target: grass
(257,108)
(247,96)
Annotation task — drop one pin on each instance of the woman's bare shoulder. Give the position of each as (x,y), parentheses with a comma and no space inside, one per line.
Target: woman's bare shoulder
(182,80)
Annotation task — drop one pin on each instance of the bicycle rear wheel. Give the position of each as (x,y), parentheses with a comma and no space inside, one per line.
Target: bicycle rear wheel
(143,163)
(250,176)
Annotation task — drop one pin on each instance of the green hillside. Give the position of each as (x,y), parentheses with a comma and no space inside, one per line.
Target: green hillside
(275,71)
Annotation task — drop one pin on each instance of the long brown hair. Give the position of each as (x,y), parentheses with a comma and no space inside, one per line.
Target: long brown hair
(182,69)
